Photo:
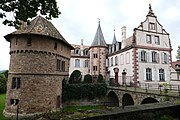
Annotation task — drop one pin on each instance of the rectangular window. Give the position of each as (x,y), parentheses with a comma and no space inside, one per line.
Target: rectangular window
(122,59)
(154,56)
(14,101)
(58,65)
(161,75)
(152,26)
(116,60)
(94,68)
(77,63)
(148,39)
(112,61)
(95,55)
(63,66)
(86,63)
(156,40)
(164,58)
(16,82)
(148,74)
(143,56)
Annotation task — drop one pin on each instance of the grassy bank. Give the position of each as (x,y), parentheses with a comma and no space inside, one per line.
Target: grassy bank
(2,105)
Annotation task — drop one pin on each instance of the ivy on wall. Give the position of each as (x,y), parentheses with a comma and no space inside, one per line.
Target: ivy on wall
(82,91)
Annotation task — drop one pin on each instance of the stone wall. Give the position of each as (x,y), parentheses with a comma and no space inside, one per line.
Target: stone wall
(143,112)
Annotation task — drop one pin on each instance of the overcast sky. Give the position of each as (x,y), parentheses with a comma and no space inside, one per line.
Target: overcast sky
(79,20)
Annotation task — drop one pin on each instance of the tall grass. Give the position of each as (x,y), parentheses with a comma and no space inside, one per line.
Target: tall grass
(2,105)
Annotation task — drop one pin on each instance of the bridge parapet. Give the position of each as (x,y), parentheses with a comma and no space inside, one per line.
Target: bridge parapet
(136,96)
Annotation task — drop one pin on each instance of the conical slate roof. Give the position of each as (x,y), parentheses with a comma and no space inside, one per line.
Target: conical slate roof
(39,26)
(114,39)
(99,38)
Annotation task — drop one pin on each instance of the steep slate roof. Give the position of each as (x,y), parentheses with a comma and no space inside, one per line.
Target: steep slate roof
(114,39)
(39,26)
(99,38)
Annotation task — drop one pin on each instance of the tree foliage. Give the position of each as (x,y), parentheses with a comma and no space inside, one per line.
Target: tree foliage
(75,77)
(100,78)
(88,78)
(178,54)
(3,81)
(24,10)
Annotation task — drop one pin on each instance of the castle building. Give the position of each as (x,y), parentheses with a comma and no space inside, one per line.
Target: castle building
(39,61)
(145,56)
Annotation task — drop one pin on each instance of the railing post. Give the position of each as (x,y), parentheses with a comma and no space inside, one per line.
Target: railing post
(146,87)
(179,90)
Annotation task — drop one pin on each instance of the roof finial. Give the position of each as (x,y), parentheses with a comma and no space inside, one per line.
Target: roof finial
(99,20)
(150,13)
(150,6)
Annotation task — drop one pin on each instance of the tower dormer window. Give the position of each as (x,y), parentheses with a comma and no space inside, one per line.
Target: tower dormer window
(55,45)
(152,26)
(29,41)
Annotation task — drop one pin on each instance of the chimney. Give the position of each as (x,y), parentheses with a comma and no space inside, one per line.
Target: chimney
(82,41)
(123,30)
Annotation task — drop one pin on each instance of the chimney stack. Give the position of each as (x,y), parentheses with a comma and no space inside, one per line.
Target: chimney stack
(82,41)
(123,31)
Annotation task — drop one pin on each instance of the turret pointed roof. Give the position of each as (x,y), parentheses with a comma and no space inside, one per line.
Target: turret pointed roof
(114,38)
(39,26)
(99,38)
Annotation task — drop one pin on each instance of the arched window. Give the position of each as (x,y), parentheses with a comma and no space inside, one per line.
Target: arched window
(77,51)
(85,52)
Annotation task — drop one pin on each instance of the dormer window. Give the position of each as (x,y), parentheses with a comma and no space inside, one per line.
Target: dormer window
(77,51)
(152,26)
(55,45)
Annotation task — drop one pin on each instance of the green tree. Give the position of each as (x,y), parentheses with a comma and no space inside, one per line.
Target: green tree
(178,53)
(88,78)
(24,10)
(75,77)
(100,79)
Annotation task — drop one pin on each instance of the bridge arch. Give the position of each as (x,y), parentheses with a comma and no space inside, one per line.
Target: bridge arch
(127,100)
(112,99)
(149,100)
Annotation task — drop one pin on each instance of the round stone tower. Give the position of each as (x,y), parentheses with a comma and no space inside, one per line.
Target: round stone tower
(98,51)
(39,61)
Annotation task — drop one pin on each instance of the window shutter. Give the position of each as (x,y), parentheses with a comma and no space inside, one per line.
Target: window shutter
(140,56)
(162,57)
(148,56)
(157,58)
(167,58)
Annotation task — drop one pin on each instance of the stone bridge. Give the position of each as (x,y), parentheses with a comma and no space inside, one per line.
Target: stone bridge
(116,96)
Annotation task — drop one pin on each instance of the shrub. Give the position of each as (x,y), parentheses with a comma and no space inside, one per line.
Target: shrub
(75,77)
(82,91)
(100,79)
(88,78)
